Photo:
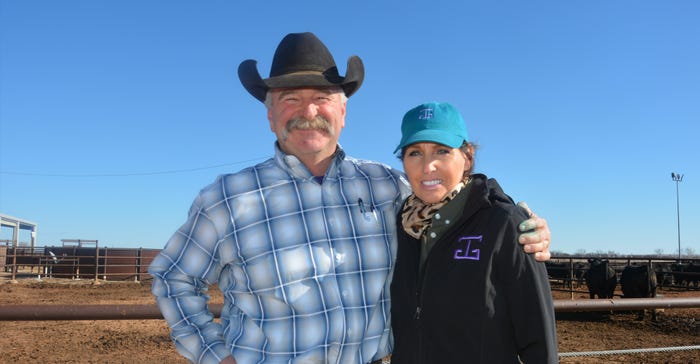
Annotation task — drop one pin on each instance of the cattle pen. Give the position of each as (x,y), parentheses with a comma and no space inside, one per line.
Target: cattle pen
(568,273)
(85,260)
(67,311)
(105,312)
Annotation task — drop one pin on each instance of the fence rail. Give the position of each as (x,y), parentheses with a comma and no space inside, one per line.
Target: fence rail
(103,263)
(151,311)
(79,262)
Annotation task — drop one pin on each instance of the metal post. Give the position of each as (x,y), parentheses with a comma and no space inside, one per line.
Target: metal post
(678,178)
(97,261)
(15,244)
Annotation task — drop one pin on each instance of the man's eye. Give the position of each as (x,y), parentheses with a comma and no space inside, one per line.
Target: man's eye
(443,151)
(413,153)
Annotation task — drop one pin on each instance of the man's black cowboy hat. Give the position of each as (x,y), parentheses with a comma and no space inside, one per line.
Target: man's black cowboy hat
(301,59)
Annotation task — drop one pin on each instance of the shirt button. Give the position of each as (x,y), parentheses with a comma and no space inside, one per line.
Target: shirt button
(437,216)
(447,222)
(433,235)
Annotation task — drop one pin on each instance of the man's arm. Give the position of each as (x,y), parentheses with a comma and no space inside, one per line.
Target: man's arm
(535,235)
(182,273)
(183,304)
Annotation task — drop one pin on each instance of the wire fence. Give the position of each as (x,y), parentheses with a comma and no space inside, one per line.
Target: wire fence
(629,351)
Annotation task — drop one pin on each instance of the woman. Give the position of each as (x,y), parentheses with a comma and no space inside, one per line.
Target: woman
(463,290)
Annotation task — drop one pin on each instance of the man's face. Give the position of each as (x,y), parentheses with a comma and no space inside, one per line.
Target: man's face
(307,121)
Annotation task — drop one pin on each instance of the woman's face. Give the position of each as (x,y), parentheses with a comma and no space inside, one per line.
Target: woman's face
(434,169)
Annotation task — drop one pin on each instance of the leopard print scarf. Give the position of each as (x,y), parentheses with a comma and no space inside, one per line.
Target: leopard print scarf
(416,214)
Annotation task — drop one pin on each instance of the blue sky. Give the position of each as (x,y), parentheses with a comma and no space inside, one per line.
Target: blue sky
(113,114)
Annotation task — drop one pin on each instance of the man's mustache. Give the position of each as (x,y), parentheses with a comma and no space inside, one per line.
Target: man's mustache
(317,123)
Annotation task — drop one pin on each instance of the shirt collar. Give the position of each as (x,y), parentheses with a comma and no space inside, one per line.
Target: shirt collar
(296,168)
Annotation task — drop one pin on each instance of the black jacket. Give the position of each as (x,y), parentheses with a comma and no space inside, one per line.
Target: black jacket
(480,297)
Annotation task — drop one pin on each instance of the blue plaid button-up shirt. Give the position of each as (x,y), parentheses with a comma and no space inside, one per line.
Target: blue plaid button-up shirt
(304,266)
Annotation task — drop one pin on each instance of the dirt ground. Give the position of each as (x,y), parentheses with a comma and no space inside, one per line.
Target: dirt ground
(147,341)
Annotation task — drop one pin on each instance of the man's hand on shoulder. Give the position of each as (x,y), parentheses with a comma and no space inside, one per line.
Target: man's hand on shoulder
(535,235)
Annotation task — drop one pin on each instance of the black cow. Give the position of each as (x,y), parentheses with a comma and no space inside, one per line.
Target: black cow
(558,271)
(664,274)
(686,274)
(600,278)
(639,281)
(563,272)
(579,271)
(692,271)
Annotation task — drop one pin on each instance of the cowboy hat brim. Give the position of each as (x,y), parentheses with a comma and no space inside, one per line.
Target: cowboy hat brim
(258,87)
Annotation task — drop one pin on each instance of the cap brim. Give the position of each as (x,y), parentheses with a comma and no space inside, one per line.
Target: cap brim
(432,136)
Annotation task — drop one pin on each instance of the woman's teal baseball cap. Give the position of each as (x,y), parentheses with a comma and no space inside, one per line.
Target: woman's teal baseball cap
(436,122)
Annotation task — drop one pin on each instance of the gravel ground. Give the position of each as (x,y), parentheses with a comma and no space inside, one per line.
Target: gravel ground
(147,341)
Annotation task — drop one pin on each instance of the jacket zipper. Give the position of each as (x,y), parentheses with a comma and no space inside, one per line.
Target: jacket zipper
(418,316)
(417,320)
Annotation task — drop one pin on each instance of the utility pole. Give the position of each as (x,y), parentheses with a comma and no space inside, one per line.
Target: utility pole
(678,178)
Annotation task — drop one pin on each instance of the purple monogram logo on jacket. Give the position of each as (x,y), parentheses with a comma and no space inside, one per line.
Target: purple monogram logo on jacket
(468,252)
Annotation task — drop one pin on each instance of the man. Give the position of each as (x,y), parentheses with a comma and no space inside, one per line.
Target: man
(301,245)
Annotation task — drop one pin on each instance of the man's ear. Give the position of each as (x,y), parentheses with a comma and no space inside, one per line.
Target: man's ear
(269,119)
(344,112)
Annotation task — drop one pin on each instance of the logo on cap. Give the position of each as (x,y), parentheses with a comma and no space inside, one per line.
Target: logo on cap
(425,114)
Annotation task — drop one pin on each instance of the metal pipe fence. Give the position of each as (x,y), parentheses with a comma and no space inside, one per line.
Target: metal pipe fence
(151,311)
(82,262)
(566,273)
(78,262)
